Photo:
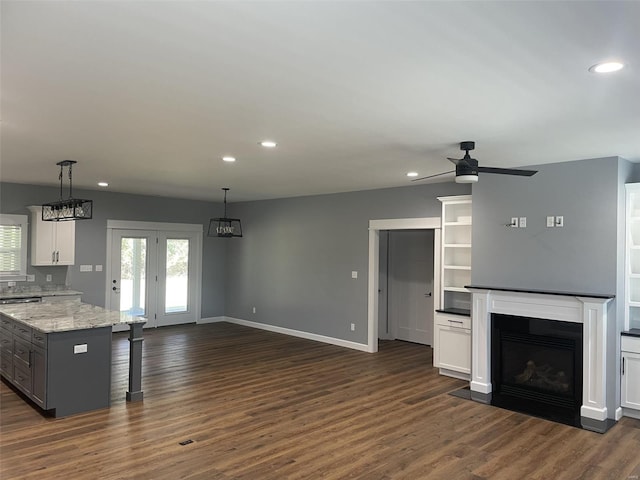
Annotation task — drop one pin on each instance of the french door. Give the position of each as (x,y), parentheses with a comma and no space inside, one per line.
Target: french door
(155,274)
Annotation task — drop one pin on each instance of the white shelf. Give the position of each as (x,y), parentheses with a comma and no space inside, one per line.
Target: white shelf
(456,224)
(458,245)
(455,289)
(457,267)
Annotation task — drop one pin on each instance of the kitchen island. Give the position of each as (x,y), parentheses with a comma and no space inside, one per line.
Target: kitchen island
(59,354)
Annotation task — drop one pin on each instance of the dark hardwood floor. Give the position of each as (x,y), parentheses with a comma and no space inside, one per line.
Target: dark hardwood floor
(261,406)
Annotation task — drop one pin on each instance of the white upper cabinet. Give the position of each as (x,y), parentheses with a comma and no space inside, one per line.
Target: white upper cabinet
(52,243)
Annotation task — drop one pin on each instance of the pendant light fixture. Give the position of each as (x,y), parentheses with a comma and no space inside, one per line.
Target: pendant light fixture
(70,208)
(225,227)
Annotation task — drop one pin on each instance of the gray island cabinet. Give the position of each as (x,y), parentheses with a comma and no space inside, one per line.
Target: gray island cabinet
(59,356)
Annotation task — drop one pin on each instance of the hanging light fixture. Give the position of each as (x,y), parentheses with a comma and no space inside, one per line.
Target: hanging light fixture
(225,227)
(70,208)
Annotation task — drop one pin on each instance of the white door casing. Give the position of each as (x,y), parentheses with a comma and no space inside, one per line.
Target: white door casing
(375,226)
(160,307)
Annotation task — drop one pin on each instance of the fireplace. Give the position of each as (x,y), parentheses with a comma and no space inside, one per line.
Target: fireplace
(598,411)
(536,367)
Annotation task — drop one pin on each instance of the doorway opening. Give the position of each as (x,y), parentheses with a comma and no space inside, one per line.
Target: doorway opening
(385,326)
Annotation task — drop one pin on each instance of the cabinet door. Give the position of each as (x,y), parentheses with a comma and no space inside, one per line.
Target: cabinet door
(39,376)
(65,242)
(42,241)
(631,380)
(452,348)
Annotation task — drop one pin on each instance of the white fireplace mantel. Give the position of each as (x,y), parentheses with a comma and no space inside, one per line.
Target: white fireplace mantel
(588,310)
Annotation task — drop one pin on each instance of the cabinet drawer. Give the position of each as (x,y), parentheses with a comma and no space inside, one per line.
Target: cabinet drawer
(459,321)
(6,341)
(630,344)
(22,378)
(22,331)
(22,352)
(6,322)
(6,365)
(39,338)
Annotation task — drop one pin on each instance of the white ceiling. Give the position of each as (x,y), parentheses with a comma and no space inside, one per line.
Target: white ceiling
(149,95)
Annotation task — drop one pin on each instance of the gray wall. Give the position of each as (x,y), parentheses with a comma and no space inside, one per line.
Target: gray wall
(91,236)
(580,257)
(295,262)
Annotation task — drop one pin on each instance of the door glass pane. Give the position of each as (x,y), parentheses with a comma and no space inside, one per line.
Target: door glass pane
(177,275)
(133,275)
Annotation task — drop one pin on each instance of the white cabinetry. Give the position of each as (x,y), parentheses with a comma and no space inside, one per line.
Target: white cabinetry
(452,321)
(630,381)
(52,243)
(452,345)
(631,375)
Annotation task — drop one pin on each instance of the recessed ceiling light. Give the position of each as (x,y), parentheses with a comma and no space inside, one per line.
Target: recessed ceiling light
(103,184)
(606,67)
(412,174)
(229,159)
(268,143)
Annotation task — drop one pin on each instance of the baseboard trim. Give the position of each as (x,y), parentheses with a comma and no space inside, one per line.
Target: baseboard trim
(618,414)
(294,333)
(221,318)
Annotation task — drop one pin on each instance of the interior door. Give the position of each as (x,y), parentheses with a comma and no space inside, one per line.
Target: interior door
(411,285)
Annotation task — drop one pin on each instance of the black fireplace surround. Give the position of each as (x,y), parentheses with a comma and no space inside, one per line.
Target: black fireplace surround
(536,367)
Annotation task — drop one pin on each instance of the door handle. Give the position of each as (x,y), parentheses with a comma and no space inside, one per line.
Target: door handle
(427,294)
(57,256)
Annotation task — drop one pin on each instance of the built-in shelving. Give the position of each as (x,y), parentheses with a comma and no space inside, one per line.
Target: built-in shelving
(452,321)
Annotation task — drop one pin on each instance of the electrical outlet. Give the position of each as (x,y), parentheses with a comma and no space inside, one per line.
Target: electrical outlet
(254,309)
(514,222)
(82,348)
(49,277)
(98,268)
(11,284)
(559,221)
(353,327)
(31,278)
(354,274)
(523,222)
(551,221)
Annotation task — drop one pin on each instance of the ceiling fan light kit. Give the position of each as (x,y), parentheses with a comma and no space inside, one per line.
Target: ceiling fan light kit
(69,208)
(225,227)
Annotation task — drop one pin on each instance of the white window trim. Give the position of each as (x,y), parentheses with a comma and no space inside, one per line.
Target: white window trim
(23,221)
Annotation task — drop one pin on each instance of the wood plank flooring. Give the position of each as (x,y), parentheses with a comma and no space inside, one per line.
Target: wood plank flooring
(260,406)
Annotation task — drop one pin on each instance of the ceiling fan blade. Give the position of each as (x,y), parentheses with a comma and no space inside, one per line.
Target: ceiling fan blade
(431,176)
(507,171)
(455,161)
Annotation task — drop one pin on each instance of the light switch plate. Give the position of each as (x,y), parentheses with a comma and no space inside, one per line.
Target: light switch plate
(82,348)
(559,221)
(523,222)
(514,222)
(98,268)
(354,274)
(86,268)
(551,221)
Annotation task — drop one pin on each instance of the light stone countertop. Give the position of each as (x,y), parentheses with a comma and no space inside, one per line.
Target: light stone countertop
(66,315)
(38,293)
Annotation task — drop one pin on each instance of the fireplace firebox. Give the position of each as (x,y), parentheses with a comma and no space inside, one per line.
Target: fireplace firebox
(536,367)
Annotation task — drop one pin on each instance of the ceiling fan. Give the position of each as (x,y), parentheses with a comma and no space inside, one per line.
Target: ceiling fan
(467,168)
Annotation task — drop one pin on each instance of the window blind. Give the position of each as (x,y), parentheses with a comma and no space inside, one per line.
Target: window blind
(10,249)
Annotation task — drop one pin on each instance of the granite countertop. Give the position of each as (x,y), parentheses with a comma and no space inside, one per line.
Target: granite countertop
(66,315)
(38,293)
(633,332)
